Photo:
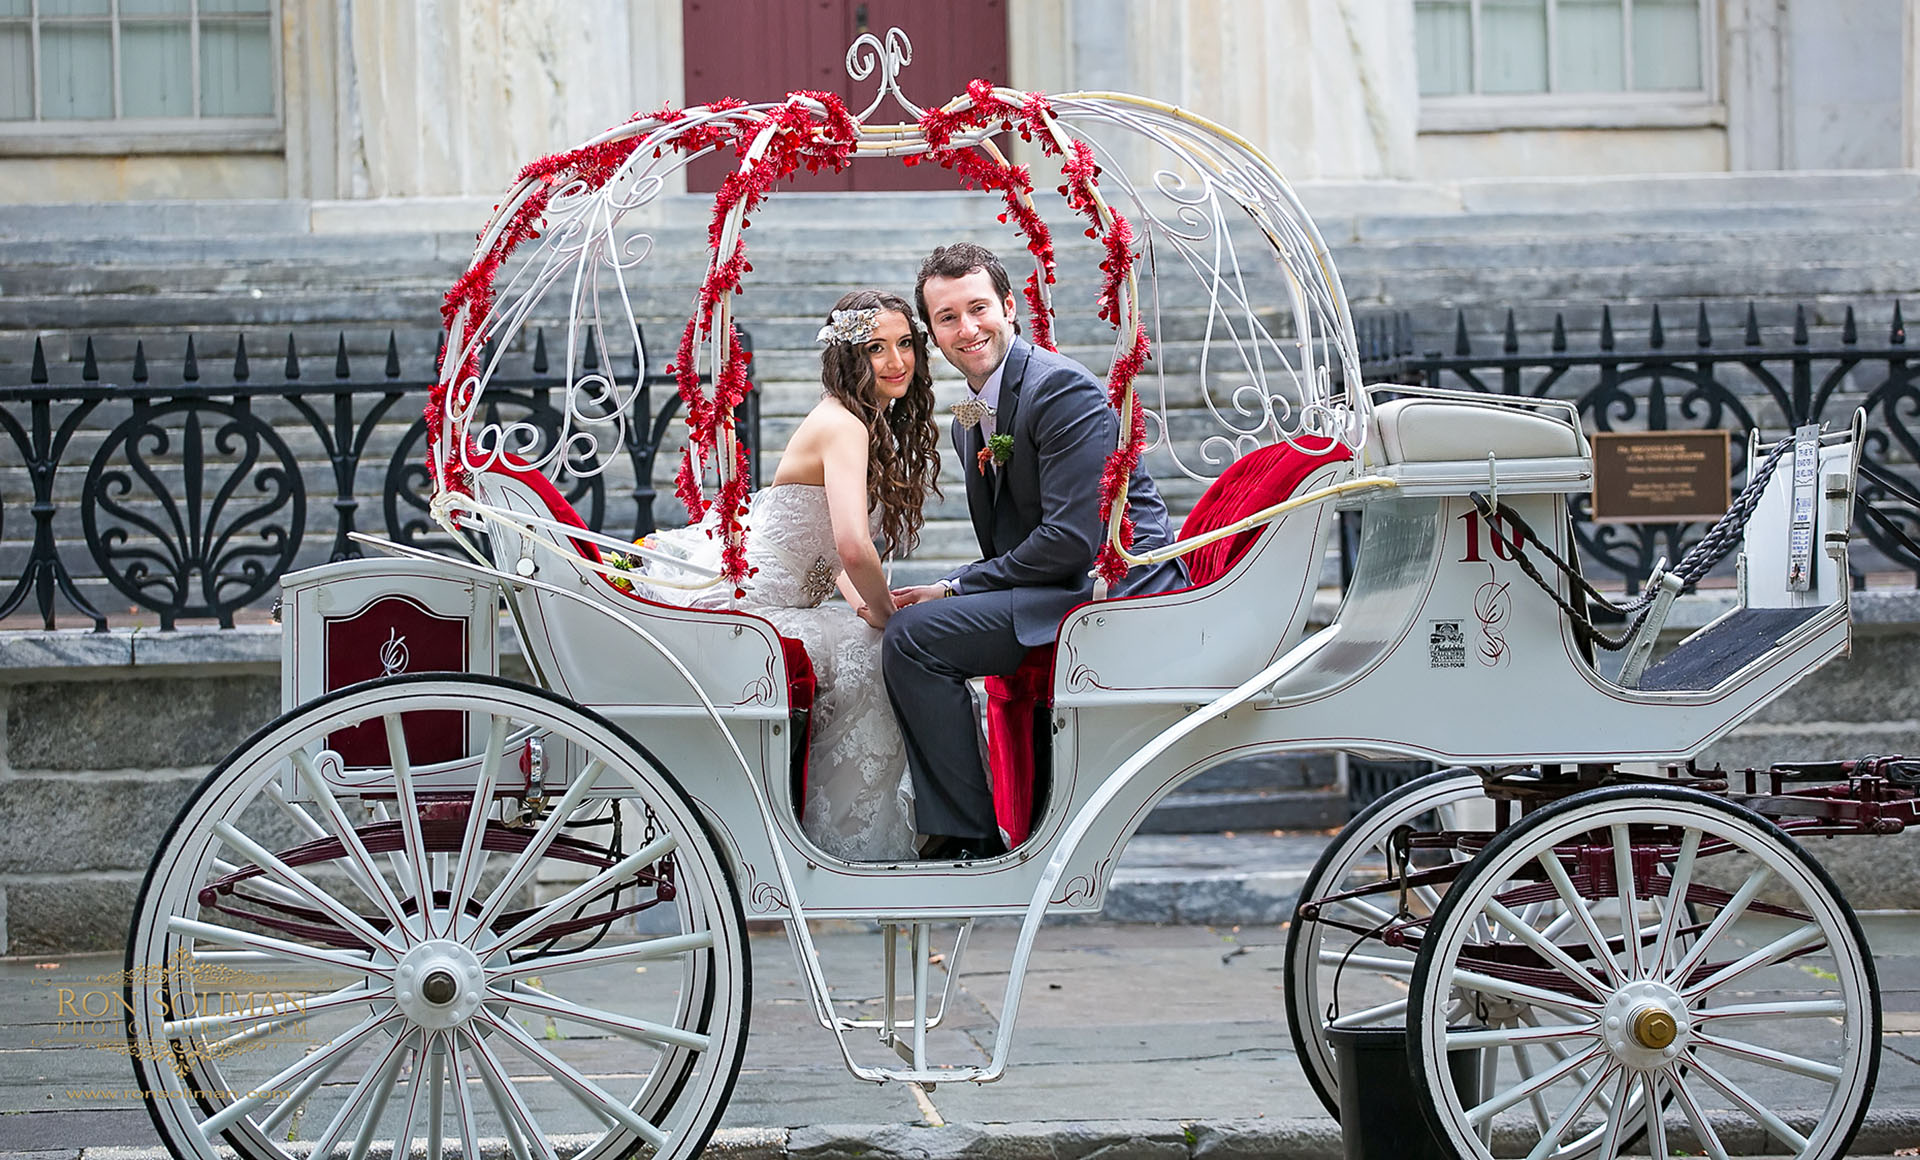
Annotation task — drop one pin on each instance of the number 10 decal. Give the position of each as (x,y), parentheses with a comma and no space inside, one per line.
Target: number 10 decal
(1504,540)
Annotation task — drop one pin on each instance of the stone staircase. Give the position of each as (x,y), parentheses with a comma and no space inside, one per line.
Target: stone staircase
(344,277)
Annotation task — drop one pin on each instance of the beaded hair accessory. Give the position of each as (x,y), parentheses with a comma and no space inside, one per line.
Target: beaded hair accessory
(849,326)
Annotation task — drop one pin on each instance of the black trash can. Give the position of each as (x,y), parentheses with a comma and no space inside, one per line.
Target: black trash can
(1380,1115)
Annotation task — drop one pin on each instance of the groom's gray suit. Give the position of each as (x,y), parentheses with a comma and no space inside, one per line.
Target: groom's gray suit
(1038,522)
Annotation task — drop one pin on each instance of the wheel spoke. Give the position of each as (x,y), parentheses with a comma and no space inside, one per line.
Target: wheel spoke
(1682,880)
(1520,992)
(657,948)
(1622,1094)
(1697,1116)
(231,1114)
(1589,1089)
(335,909)
(645,856)
(631,1028)
(1798,1065)
(1798,1009)
(277,948)
(1656,1119)
(591,1095)
(357,993)
(1509,1036)
(1629,901)
(1760,1113)
(1523,1063)
(1735,907)
(549,829)
(1547,950)
(418,1087)
(408,805)
(1577,908)
(508,1097)
(516,1119)
(382,1094)
(473,856)
(374,1084)
(463,1110)
(361,865)
(1373,1014)
(1487,1109)
(1806,938)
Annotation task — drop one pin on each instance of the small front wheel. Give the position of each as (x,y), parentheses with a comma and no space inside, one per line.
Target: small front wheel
(497,924)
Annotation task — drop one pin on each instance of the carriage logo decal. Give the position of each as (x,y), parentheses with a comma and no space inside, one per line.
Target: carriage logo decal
(393,654)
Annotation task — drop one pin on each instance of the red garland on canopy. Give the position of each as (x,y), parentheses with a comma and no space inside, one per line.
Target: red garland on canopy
(1033,118)
(803,136)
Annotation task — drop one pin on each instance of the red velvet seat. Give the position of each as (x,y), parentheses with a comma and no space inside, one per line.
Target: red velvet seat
(1252,483)
(801,681)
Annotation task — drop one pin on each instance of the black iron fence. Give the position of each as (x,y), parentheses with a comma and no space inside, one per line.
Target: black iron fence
(1773,379)
(189,499)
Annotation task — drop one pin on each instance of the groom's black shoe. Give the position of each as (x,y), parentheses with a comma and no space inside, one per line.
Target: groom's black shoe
(949,848)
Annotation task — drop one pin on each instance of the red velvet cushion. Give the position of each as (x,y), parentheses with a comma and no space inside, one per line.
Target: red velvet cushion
(1254,482)
(1010,703)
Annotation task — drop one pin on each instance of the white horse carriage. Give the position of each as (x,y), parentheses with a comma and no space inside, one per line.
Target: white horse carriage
(508,917)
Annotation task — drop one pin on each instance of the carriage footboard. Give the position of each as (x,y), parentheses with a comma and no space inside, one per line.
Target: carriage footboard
(1724,648)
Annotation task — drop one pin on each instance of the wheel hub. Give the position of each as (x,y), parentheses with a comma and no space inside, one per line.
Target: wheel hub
(1646,1024)
(439,984)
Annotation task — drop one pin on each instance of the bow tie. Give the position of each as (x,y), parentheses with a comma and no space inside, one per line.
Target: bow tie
(970,411)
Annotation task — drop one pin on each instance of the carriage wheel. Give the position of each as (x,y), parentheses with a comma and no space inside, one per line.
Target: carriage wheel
(1372,977)
(1696,953)
(407,952)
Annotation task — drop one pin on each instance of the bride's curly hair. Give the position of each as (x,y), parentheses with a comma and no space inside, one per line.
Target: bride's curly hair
(903,452)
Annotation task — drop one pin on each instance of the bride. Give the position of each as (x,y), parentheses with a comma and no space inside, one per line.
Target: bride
(858,466)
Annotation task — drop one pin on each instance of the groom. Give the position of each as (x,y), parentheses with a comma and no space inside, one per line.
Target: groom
(1033,436)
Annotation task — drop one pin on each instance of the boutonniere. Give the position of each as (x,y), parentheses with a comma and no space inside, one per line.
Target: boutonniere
(998,451)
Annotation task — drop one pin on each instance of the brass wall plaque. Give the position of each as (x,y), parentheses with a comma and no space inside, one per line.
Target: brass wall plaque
(1643,477)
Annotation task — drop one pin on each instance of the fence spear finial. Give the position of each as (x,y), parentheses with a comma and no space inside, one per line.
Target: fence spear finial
(340,368)
(293,360)
(191,371)
(1512,343)
(1656,333)
(393,356)
(89,366)
(1897,336)
(139,361)
(1702,330)
(39,373)
(1559,332)
(1799,325)
(1461,345)
(1753,326)
(241,370)
(1849,333)
(590,361)
(540,351)
(1606,328)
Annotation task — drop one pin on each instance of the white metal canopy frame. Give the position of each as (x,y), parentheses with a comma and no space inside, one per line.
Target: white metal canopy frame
(1261,376)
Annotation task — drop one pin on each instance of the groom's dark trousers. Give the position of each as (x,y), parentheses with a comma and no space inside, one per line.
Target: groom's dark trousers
(1037,518)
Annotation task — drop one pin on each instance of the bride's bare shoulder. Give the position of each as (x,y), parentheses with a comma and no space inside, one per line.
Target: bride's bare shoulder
(831,420)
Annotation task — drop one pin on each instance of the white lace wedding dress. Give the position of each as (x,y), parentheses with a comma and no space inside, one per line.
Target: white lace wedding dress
(859,799)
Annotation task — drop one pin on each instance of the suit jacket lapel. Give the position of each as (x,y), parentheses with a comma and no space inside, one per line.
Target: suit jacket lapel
(1009,402)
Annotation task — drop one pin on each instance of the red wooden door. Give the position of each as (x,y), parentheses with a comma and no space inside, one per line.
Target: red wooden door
(759,50)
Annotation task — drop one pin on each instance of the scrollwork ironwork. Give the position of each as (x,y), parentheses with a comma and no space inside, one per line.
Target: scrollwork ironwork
(209,546)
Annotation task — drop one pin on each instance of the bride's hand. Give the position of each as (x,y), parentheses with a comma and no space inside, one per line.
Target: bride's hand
(867,614)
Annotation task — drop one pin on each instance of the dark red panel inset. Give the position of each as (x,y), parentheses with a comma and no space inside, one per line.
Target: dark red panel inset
(395,635)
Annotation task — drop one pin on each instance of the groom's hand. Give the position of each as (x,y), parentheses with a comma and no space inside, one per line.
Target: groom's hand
(905,596)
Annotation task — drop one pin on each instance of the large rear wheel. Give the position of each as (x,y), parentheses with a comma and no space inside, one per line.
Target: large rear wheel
(508,932)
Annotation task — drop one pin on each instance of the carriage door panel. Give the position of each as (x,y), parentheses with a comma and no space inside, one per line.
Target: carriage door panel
(740,48)
(359,620)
